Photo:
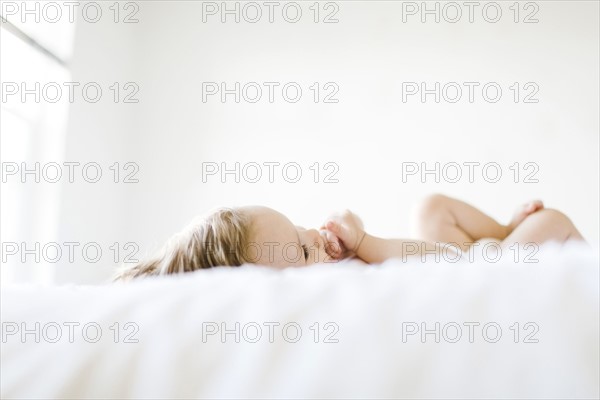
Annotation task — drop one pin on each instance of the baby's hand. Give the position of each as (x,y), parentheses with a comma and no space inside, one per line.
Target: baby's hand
(333,247)
(343,231)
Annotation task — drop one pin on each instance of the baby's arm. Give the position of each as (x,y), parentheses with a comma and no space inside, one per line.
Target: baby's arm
(372,249)
(348,229)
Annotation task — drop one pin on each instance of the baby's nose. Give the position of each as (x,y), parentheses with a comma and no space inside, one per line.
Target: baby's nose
(315,236)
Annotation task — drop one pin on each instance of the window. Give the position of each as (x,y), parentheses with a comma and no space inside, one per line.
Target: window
(34,54)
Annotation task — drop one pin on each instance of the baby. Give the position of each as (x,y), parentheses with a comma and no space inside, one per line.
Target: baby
(260,235)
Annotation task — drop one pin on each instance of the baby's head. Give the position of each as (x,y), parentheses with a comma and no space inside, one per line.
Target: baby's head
(232,237)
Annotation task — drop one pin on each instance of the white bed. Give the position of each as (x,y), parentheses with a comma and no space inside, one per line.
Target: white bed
(372,306)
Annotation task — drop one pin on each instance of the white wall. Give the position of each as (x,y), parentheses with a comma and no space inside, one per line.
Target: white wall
(369,133)
(91,213)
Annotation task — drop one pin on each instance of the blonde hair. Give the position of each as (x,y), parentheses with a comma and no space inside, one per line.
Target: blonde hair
(218,239)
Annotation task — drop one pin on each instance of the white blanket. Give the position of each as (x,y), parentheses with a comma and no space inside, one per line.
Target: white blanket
(528,330)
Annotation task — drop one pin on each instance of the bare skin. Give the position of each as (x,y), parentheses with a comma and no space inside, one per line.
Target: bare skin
(440,219)
(282,244)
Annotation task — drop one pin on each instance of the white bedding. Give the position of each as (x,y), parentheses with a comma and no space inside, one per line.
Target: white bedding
(371,305)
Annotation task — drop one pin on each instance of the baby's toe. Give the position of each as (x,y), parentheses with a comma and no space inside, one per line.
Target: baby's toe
(534,206)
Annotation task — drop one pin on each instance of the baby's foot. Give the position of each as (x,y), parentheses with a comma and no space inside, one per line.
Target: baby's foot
(524,211)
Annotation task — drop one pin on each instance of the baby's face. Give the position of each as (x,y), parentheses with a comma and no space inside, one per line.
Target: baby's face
(275,241)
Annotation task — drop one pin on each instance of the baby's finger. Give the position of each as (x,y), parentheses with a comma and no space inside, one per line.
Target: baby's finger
(336,248)
(333,226)
(534,206)
(332,244)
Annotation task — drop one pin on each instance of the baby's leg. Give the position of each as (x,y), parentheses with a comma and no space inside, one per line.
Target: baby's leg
(447,220)
(543,226)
